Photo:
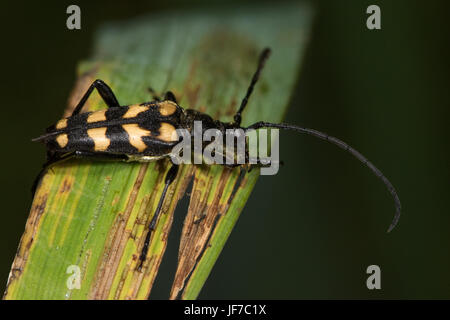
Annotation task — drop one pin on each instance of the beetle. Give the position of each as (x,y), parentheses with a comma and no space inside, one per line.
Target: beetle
(147,132)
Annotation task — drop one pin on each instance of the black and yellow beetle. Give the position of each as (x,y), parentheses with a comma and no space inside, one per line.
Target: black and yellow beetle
(147,132)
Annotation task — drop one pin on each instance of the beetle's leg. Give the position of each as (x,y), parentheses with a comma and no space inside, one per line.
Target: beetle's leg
(167,96)
(76,154)
(100,155)
(170,96)
(155,96)
(49,163)
(105,92)
(260,163)
(170,177)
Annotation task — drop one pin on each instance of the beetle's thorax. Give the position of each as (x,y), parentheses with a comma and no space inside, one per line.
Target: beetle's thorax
(207,122)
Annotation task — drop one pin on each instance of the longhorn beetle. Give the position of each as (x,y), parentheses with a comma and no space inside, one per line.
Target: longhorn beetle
(145,132)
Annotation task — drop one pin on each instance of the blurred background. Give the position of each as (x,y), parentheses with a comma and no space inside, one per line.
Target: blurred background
(385,92)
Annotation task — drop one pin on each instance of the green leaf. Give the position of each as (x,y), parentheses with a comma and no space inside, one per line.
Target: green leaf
(89,219)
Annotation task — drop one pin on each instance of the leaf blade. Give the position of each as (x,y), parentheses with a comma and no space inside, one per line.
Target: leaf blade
(93,215)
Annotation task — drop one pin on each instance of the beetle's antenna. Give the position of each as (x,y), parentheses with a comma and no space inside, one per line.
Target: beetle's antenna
(346,147)
(262,59)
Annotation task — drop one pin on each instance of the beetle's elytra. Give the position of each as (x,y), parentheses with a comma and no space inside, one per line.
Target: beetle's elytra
(147,132)
(143,129)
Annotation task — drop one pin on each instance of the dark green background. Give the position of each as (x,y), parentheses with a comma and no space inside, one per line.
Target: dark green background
(312,230)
